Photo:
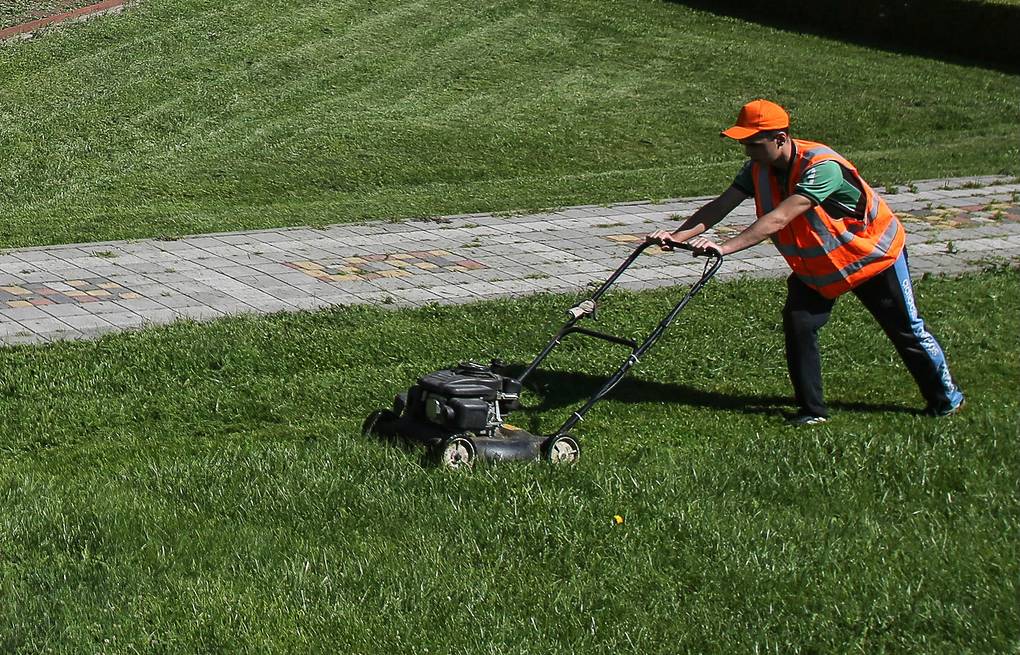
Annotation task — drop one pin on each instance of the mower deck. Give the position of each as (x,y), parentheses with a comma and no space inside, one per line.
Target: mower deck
(456,449)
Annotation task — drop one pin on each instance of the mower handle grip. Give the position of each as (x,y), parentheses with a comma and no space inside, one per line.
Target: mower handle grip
(669,244)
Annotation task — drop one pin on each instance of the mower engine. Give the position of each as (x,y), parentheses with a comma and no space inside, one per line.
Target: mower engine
(469,397)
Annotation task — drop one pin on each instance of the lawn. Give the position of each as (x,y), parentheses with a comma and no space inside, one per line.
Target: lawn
(204,488)
(188,116)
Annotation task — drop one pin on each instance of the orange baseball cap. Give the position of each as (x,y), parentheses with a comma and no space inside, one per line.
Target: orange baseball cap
(756,116)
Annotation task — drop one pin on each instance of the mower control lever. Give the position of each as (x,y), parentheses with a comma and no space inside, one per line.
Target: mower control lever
(584,308)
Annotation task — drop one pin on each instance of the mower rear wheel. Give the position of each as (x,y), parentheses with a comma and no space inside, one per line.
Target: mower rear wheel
(374,419)
(562,449)
(456,453)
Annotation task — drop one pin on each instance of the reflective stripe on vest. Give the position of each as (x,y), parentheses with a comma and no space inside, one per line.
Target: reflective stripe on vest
(881,250)
(830,255)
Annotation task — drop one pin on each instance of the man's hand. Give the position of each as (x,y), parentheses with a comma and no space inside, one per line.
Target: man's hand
(662,237)
(703,246)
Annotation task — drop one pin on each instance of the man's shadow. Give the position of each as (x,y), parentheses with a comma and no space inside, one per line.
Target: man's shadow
(563,389)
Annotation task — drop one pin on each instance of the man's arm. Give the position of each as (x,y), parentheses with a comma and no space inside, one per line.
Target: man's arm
(758,231)
(703,219)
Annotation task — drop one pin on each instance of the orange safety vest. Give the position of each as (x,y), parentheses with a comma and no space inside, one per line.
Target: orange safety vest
(830,255)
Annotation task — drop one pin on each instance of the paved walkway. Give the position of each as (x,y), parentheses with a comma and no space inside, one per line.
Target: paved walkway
(85,290)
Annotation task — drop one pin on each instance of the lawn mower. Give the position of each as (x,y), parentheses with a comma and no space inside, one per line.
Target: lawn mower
(458,413)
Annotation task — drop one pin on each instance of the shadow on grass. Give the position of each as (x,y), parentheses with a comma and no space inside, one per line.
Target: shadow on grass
(956,31)
(560,390)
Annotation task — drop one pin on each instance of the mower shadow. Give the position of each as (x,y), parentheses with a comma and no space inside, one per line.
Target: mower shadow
(558,389)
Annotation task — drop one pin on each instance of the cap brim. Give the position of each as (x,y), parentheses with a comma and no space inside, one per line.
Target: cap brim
(737,132)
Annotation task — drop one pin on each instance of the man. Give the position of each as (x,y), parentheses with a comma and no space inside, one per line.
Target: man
(838,235)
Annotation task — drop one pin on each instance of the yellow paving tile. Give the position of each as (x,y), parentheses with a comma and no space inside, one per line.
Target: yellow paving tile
(401,255)
(355,260)
(131,295)
(19,303)
(315,266)
(110,285)
(18,291)
(78,283)
(428,266)
(343,278)
(438,253)
(395,273)
(99,293)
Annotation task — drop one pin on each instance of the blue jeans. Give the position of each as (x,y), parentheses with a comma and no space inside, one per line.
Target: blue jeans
(889,296)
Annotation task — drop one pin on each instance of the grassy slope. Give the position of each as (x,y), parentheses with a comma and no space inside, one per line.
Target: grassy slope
(201,488)
(191,115)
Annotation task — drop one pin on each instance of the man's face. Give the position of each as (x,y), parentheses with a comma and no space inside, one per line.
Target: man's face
(764,149)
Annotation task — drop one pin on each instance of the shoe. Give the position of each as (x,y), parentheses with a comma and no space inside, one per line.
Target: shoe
(806,419)
(952,411)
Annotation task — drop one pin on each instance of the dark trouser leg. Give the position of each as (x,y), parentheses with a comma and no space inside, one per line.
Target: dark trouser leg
(889,297)
(806,311)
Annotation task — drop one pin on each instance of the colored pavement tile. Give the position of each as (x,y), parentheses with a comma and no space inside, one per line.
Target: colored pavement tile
(384,265)
(69,292)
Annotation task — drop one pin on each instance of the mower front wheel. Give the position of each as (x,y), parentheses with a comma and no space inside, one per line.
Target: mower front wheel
(562,449)
(456,453)
(375,419)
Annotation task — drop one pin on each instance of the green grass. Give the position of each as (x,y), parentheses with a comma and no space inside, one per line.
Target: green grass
(186,116)
(203,488)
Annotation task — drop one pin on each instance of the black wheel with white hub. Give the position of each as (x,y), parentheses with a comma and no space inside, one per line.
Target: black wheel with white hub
(456,452)
(562,449)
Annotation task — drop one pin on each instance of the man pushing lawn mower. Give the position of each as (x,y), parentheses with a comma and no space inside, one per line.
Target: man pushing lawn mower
(838,235)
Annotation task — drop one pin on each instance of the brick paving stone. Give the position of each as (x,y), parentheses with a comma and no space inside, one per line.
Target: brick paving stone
(25,339)
(58,310)
(124,319)
(451,291)
(44,325)
(87,322)
(174,300)
(158,316)
(201,312)
(21,314)
(416,295)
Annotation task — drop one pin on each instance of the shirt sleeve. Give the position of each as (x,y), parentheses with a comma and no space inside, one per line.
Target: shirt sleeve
(820,181)
(744,181)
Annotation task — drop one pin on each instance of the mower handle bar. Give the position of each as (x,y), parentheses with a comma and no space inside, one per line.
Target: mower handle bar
(588,308)
(669,245)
